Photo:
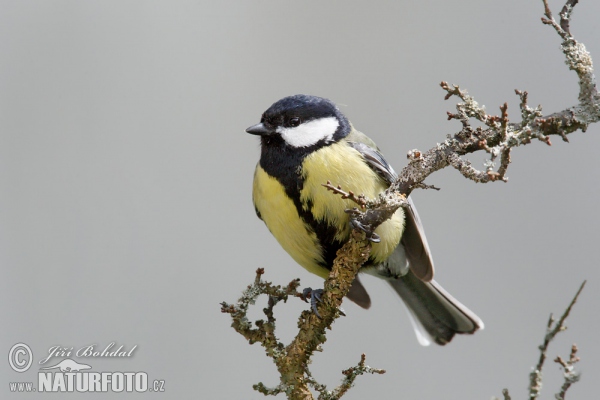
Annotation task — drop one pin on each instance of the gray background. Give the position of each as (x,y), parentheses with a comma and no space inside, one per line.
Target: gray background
(125,180)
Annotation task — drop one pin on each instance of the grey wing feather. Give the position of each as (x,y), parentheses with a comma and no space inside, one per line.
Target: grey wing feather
(413,238)
(415,245)
(437,316)
(376,161)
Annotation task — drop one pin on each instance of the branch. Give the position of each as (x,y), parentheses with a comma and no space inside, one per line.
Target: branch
(292,360)
(264,333)
(570,375)
(499,136)
(312,328)
(350,376)
(360,199)
(535,383)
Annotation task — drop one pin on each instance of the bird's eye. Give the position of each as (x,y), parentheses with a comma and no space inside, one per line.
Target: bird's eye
(295,121)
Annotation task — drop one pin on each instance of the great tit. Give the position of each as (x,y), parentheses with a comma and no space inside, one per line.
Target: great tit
(305,142)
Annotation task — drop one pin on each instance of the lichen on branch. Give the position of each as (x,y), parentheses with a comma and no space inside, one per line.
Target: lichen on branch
(292,360)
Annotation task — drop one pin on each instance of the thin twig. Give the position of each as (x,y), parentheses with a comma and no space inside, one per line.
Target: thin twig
(360,199)
(500,135)
(535,377)
(571,375)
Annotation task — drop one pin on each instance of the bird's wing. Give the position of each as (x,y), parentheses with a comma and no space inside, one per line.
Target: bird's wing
(413,238)
(415,245)
(367,148)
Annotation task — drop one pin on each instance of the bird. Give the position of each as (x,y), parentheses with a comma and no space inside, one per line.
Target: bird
(306,141)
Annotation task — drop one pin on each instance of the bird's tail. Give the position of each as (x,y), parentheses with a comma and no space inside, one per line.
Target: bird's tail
(435,314)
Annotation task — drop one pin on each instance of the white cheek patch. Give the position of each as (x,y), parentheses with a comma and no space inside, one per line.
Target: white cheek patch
(311,132)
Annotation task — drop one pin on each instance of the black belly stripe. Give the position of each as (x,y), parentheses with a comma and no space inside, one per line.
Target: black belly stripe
(325,233)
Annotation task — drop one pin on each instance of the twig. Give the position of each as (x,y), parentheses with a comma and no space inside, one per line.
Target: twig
(360,199)
(535,378)
(292,360)
(570,374)
(500,135)
(264,333)
(350,376)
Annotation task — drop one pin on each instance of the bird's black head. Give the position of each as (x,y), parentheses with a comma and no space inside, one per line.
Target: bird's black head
(301,121)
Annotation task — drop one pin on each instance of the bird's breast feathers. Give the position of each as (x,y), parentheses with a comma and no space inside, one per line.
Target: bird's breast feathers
(296,230)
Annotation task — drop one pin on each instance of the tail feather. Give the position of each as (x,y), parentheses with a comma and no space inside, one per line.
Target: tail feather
(358,294)
(435,314)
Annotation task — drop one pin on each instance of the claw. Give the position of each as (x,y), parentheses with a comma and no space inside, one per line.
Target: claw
(315,298)
(371,236)
(306,294)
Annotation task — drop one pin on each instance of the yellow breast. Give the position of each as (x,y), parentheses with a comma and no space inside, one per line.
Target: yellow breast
(342,165)
(279,213)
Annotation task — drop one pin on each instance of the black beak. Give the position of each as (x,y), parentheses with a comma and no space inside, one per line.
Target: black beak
(259,129)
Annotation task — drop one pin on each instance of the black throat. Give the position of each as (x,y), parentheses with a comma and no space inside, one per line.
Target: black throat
(284,163)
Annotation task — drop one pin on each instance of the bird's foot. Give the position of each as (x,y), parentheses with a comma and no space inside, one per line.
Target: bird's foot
(315,298)
(367,229)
